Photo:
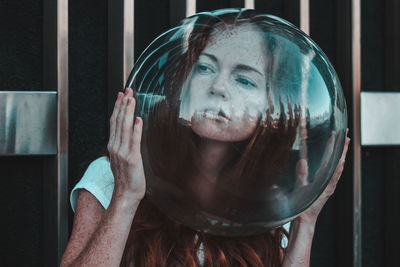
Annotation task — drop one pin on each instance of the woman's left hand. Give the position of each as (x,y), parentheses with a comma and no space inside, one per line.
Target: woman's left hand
(310,215)
(301,232)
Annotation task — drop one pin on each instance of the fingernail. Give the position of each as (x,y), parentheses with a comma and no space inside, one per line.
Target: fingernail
(119,95)
(129,100)
(126,91)
(137,121)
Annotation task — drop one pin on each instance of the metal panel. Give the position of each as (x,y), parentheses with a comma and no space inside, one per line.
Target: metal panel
(305,16)
(55,169)
(28,123)
(190,7)
(249,4)
(356,77)
(380,120)
(62,127)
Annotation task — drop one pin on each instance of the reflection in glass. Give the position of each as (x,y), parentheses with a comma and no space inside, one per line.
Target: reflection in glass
(244,121)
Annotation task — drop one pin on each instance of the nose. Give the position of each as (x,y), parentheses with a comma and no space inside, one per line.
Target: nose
(219,88)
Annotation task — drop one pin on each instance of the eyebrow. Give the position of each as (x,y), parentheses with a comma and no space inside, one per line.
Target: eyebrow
(243,67)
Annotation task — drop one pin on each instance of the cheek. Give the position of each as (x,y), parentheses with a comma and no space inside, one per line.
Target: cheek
(248,124)
(198,88)
(250,103)
(242,129)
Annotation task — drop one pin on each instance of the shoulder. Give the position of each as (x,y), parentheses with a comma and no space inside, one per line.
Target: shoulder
(98,179)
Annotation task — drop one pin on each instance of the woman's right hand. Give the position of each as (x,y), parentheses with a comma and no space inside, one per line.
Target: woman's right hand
(124,148)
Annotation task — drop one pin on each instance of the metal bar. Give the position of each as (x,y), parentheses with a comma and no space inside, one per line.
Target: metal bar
(28,123)
(55,169)
(356,73)
(249,4)
(190,7)
(305,16)
(128,39)
(62,126)
(380,123)
(120,46)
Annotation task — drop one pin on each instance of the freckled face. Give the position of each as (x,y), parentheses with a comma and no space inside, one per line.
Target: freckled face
(225,94)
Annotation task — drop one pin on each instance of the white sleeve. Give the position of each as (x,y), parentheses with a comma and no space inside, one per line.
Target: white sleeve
(284,239)
(98,180)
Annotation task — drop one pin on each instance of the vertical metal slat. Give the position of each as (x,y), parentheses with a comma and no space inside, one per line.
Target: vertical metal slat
(190,7)
(55,169)
(120,46)
(305,16)
(249,4)
(356,73)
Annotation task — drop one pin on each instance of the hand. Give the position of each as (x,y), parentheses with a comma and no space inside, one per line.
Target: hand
(124,148)
(311,213)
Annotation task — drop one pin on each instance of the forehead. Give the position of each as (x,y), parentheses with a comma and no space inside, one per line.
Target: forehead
(244,42)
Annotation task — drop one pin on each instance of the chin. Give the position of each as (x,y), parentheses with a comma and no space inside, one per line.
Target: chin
(218,131)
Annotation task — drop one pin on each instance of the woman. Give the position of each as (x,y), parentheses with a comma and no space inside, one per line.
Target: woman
(226,103)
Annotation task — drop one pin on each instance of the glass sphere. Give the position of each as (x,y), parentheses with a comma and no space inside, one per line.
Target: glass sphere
(244,121)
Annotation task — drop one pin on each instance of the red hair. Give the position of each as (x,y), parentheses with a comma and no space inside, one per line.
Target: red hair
(156,240)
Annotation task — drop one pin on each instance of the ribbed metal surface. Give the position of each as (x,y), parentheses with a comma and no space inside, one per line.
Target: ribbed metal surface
(28,123)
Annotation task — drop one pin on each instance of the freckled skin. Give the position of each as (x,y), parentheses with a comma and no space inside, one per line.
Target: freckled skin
(87,217)
(217,81)
(99,236)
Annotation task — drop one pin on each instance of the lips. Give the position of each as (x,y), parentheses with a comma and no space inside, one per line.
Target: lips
(217,115)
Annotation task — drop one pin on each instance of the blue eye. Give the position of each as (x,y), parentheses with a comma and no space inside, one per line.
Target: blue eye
(202,68)
(245,82)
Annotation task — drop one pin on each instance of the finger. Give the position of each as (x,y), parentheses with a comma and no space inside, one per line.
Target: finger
(136,137)
(113,117)
(127,125)
(130,92)
(335,178)
(338,173)
(303,135)
(302,172)
(346,146)
(328,149)
(339,168)
(120,119)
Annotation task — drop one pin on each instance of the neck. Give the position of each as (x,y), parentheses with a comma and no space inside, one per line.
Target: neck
(212,156)
(210,160)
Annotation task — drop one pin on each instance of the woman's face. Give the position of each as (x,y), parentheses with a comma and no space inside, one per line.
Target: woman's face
(225,93)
